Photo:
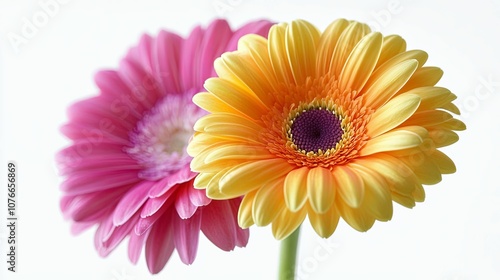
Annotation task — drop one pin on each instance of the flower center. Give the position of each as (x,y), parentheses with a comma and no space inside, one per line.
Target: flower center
(316,129)
(315,124)
(160,138)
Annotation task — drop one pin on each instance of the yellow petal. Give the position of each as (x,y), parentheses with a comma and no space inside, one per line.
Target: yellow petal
(444,163)
(346,43)
(248,73)
(419,193)
(452,108)
(399,177)
(425,76)
(245,218)
(433,97)
(452,124)
(257,47)
(443,137)
(360,63)
(389,83)
(428,118)
(295,188)
(234,127)
(349,185)
(407,201)
(278,54)
(397,139)
(418,55)
(212,103)
(202,179)
(320,189)
(236,97)
(221,119)
(200,164)
(392,114)
(248,176)
(423,167)
(392,45)
(267,203)
(324,223)
(213,190)
(241,69)
(377,199)
(199,143)
(358,218)
(252,42)
(327,44)
(232,152)
(287,222)
(233,132)
(301,42)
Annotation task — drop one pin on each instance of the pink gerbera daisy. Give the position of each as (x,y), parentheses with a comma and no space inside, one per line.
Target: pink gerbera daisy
(127,169)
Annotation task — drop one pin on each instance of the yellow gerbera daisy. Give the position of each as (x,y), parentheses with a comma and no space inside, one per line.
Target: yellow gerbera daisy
(324,125)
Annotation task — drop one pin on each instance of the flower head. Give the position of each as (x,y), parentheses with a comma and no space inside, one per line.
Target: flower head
(324,125)
(127,169)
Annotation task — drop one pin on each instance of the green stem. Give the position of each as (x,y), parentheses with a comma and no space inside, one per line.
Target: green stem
(288,256)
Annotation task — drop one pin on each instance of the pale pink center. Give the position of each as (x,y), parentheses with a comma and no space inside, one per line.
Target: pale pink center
(160,139)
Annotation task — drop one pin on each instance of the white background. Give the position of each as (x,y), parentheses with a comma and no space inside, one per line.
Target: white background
(455,234)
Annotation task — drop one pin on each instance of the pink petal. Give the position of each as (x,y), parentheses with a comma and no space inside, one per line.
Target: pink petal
(189,60)
(141,84)
(65,204)
(135,244)
(144,53)
(100,150)
(87,157)
(104,230)
(95,216)
(242,235)
(160,244)
(219,224)
(154,204)
(166,61)
(121,101)
(260,27)
(161,187)
(214,43)
(98,112)
(99,163)
(131,202)
(197,197)
(97,181)
(91,134)
(147,222)
(84,207)
(182,175)
(183,204)
(143,81)
(77,228)
(119,96)
(186,237)
(117,234)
